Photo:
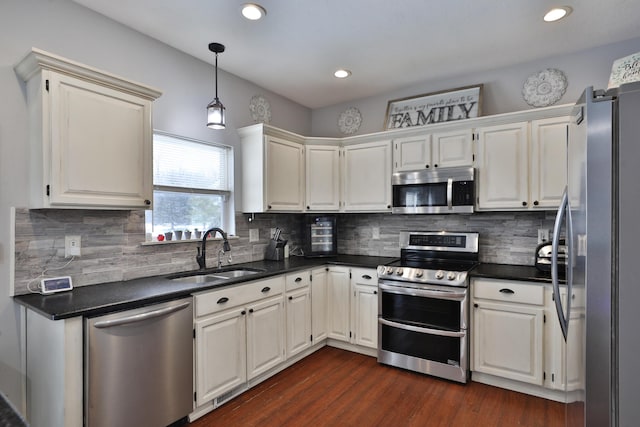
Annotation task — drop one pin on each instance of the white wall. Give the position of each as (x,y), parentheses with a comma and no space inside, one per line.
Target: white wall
(69,30)
(502,92)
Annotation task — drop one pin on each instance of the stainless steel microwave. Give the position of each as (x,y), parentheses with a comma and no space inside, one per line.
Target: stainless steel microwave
(437,191)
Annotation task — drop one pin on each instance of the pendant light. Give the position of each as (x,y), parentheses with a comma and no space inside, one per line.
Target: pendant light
(215,109)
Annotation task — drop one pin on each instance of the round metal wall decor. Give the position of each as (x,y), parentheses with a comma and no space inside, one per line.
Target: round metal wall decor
(260,109)
(349,121)
(544,88)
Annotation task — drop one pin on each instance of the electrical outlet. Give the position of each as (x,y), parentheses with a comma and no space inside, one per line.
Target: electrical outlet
(272,232)
(71,246)
(543,235)
(254,235)
(375,233)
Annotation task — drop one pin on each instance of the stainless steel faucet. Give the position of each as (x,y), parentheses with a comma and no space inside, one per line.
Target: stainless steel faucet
(201,257)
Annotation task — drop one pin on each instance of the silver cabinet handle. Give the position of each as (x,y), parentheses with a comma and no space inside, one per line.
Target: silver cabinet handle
(439,294)
(555,243)
(140,317)
(422,330)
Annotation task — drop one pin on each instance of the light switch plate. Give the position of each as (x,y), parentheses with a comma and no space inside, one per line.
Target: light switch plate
(543,235)
(254,235)
(375,233)
(71,246)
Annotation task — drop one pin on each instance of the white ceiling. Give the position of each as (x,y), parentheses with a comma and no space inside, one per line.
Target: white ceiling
(387,44)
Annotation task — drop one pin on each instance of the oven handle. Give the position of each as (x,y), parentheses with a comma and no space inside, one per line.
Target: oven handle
(422,330)
(450,193)
(448,294)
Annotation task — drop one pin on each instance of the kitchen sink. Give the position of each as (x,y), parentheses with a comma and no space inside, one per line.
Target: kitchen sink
(214,276)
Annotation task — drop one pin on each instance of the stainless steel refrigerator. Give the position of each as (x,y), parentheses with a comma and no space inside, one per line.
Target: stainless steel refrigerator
(600,218)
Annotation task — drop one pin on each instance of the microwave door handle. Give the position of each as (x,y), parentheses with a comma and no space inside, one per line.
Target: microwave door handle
(450,193)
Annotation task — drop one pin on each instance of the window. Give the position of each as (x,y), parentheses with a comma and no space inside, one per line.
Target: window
(192,185)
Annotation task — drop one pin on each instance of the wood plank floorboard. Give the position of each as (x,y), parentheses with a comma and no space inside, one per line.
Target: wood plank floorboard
(334,387)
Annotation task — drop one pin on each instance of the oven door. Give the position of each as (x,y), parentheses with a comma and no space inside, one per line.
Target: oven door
(424,329)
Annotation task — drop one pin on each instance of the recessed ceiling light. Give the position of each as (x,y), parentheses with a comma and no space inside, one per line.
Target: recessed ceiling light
(253,11)
(557,13)
(342,73)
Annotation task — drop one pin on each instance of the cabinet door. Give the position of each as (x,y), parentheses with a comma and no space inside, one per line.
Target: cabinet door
(319,304)
(220,368)
(412,153)
(338,303)
(365,307)
(548,164)
(298,309)
(367,172)
(100,146)
(502,165)
(265,335)
(453,149)
(323,178)
(507,341)
(284,175)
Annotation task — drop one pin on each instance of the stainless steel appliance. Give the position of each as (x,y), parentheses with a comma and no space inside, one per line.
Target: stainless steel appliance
(437,191)
(599,216)
(139,366)
(543,257)
(320,236)
(423,304)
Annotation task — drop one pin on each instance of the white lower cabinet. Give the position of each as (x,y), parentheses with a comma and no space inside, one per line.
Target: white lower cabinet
(298,312)
(239,334)
(265,336)
(338,309)
(220,368)
(516,335)
(365,307)
(319,304)
(508,341)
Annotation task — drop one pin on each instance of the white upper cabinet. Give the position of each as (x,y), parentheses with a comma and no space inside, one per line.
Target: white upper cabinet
(522,165)
(502,165)
(90,136)
(272,170)
(323,177)
(412,153)
(433,150)
(548,163)
(453,149)
(367,176)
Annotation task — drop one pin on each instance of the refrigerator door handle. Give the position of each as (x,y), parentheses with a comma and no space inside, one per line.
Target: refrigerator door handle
(555,242)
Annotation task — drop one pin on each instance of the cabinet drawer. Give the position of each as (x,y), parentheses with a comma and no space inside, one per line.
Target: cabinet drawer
(508,291)
(233,296)
(297,280)
(365,276)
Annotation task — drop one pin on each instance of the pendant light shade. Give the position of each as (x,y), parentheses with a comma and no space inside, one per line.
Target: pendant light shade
(215,110)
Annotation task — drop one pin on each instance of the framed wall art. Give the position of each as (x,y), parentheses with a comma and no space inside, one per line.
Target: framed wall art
(437,107)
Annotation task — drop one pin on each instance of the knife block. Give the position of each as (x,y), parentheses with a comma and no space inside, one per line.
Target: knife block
(275,250)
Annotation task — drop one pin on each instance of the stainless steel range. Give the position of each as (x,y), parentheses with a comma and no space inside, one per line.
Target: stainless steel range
(423,304)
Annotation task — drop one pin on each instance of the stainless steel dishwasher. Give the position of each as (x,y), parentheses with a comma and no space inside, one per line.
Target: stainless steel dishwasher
(139,366)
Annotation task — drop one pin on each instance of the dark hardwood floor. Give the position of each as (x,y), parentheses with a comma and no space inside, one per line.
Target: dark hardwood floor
(333,387)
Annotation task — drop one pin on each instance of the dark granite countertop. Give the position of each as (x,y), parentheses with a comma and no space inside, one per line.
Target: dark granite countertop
(511,272)
(8,415)
(108,297)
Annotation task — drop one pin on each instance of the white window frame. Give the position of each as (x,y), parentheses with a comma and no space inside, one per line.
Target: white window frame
(228,218)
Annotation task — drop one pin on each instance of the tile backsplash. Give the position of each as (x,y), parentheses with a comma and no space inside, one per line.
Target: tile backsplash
(112,248)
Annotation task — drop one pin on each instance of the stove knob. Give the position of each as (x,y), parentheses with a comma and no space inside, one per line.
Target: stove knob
(399,271)
(451,275)
(388,270)
(439,274)
(419,272)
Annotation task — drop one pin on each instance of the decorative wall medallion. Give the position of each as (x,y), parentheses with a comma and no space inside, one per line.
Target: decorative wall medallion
(544,88)
(349,121)
(260,109)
